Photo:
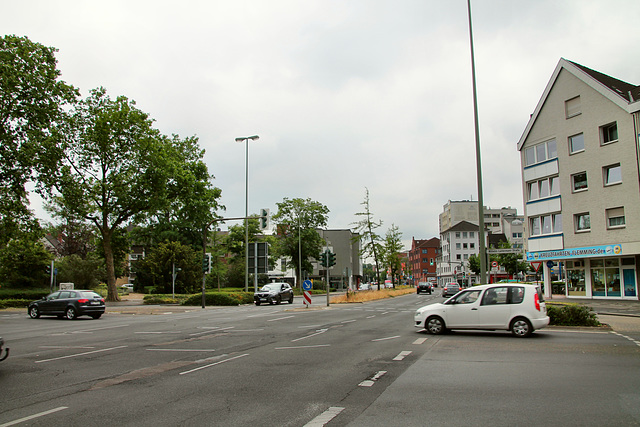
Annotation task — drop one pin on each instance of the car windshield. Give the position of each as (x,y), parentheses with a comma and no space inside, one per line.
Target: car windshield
(268,288)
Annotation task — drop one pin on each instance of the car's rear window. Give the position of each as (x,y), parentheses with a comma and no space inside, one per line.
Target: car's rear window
(89,294)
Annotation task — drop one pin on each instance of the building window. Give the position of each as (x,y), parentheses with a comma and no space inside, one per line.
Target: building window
(582,222)
(612,174)
(557,223)
(472,245)
(424,251)
(546,224)
(615,218)
(458,256)
(609,133)
(579,181)
(572,107)
(576,143)
(464,246)
(540,152)
(457,245)
(457,234)
(544,188)
(472,234)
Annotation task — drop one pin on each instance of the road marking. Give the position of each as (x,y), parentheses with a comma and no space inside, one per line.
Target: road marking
(158,332)
(349,321)
(211,331)
(387,338)
(402,355)
(371,317)
(303,346)
(371,381)
(213,364)
(629,338)
(177,349)
(325,417)
(420,341)
(99,329)
(318,332)
(80,354)
(30,417)
(280,318)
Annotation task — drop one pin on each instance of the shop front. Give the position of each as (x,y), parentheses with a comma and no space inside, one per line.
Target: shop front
(593,272)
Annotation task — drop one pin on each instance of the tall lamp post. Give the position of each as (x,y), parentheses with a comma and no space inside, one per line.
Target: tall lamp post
(246,209)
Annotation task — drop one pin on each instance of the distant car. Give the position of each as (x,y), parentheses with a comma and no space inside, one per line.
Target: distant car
(274,293)
(451,289)
(127,287)
(69,304)
(519,308)
(4,350)
(424,287)
(365,287)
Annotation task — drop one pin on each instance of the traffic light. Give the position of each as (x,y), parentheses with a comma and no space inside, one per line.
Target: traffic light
(206,263)
(264,219)
(331,259)
(323,259)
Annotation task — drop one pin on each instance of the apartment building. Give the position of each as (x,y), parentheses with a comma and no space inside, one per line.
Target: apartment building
(422,259)
(581,183)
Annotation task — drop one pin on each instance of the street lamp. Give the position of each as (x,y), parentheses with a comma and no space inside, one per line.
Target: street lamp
(246,209)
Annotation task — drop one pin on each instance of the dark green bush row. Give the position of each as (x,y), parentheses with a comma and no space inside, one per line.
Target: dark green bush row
(29,294)
(15,303)
(571,315)
(221,298)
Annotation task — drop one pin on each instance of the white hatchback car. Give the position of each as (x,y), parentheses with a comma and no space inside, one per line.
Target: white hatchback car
(515,307)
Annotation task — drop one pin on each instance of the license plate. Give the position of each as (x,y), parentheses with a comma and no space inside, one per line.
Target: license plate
(94,303)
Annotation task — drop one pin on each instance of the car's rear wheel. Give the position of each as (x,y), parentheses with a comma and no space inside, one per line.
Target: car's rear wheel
(434,325)
(521,327)
(34,313)
(70,313)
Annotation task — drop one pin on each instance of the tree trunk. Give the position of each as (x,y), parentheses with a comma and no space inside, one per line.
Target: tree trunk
(112,291)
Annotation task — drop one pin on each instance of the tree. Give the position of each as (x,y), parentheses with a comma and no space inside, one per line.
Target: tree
(297,221)
(84,273)
(115,168)
(32,104)
(158,266)
(474,264)
(365,228)
(391,251)
(23,264)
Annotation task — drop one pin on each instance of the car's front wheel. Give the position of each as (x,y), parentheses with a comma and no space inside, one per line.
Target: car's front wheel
(257,302)
(70,313)
(434,325)
(521,327)
(291,300)
(34,313)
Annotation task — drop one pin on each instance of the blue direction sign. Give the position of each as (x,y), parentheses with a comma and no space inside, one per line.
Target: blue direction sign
(307,285)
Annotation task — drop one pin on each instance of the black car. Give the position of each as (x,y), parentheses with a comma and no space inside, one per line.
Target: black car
(425,287)
(274,293)
(3,350)
(69,304)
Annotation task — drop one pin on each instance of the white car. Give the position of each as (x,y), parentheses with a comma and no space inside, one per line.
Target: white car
(515,307)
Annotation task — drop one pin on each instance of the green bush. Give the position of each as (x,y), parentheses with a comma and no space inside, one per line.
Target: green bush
(221,298)
(28,294)
(164,299)
(15,303)
(571,315)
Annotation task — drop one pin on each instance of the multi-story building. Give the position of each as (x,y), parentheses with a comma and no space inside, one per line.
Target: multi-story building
(581,183)
(496,221)
(348,269)
(422,259)
(457,244)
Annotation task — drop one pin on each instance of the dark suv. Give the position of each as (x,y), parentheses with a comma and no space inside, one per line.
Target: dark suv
(274,293)
(69,304)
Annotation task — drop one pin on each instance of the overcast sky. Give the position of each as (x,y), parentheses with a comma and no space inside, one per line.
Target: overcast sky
(343,94)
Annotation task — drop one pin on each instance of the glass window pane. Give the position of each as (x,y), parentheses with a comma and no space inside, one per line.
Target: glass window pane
(555,185)
(529,156)
(580,181)
(544,188)
(557,223)
(546,224)
(540,153)
(535,226)
(552,150)
(613,174)
(576,143)
(533,190)
(583,222)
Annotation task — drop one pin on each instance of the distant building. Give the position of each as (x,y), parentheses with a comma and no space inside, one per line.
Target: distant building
(581,184)
(347,272)
(422,259)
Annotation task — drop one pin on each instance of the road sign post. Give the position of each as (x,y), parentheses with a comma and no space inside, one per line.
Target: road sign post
(306,286)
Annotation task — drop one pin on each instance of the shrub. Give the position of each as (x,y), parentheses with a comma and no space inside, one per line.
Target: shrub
(27,294)
(15,303)
(164,299)
(221,298)
(571,315)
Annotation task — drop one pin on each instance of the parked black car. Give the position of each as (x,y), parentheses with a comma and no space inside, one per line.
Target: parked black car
(3,350)
(425,287)
(274,293)
(69,304)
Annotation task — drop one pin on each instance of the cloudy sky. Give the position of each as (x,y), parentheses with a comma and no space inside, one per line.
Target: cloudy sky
(345,95)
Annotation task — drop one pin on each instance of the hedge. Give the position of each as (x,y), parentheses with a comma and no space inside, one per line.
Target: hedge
(571,315)
(221,298)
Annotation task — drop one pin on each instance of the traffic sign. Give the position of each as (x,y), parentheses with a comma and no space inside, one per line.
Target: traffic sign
(307,298)
(504,251)
(307,285)
(494,264)
(536,265)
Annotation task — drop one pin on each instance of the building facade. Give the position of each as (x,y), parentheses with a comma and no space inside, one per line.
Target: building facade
(457,244)
(581,182)
(423,257)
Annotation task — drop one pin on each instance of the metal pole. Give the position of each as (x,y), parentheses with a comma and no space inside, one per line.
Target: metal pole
(173,280)
(483,254)
(246,221)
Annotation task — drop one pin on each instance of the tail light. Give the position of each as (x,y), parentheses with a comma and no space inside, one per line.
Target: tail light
(536,301)
(83,301)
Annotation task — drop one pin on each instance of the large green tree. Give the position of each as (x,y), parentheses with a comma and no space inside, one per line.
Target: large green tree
(23,264)
(33,101)
(297,221)
(391,252)
(116,167)
(371,241)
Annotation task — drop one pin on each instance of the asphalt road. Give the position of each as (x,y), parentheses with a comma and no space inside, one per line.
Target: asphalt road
(357,364)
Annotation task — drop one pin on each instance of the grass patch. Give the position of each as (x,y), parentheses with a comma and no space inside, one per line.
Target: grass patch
(364,296)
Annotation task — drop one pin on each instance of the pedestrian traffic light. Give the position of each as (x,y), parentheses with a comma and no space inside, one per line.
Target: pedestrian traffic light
(264,219)
(206,263)
(331,259)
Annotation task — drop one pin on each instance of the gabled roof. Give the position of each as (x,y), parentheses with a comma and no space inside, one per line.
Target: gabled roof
(434,242)
(462,226)
(623,94)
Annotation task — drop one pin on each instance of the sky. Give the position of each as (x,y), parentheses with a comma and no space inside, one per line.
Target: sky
(345,95)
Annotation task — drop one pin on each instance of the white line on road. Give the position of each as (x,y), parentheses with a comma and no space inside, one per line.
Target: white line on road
(402,355)
(211,331)
(158,332)
(280,318)
(387,338)
(348,321)
(420,341)
(81,354)
(303,346)
(318,332)
(371,381)
(177,349)
(371,317)
(30,417)
(213,364)
(325,417)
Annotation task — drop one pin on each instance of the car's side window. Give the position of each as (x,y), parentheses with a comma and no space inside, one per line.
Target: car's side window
(468,297)
(65,294)
(517,295)
(53,296)
(494,296)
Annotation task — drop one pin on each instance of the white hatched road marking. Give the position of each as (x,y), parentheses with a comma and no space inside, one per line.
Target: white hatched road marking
(280,318)
(303,346)
(371,381)
(318,332)
(325,417)
(420,341)
(402,355)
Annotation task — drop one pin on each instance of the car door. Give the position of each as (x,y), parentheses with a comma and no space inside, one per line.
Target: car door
(462,311)
(61,302)
(494,310)
(46,305)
